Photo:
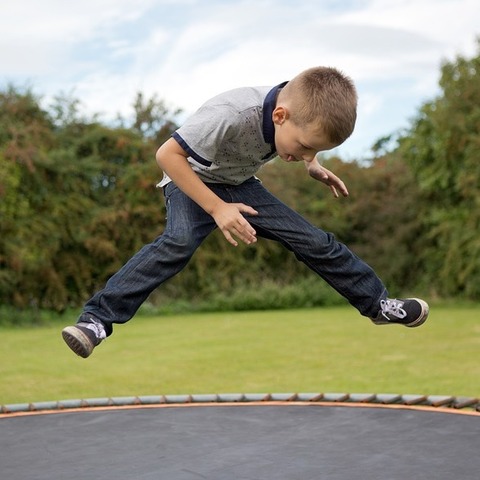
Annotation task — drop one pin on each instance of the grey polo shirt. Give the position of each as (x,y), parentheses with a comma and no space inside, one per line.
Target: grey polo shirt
(231,136)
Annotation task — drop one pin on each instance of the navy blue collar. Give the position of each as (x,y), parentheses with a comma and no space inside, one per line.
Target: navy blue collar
(268,108)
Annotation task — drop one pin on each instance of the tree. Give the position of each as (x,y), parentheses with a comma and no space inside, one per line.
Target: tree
(73,200)
(153,120)
(443,150)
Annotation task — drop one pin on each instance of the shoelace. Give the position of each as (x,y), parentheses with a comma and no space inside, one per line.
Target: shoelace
(393,307)
(97,329)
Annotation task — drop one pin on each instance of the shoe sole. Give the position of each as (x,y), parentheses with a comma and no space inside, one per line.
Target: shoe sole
(416,323)
(77,341)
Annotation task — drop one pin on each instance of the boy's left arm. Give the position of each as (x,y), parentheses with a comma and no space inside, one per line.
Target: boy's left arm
(322,174)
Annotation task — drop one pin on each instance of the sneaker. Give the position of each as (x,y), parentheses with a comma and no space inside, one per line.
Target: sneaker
(410,312)
(83,337)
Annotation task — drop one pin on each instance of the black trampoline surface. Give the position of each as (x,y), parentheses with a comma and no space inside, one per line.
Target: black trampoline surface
(241,442)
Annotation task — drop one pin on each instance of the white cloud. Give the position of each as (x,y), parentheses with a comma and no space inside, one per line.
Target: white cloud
(107,50)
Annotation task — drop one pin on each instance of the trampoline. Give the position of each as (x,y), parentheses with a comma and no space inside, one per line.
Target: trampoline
(243,437)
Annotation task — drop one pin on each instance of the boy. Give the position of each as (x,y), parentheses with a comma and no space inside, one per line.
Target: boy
(209,165)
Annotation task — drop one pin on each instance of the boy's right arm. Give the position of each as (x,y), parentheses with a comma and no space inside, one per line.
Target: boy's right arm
(172,159)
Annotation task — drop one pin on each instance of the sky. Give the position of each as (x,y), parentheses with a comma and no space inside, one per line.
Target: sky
(103,52)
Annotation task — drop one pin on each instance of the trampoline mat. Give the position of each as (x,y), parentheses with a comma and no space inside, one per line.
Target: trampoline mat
(244,442)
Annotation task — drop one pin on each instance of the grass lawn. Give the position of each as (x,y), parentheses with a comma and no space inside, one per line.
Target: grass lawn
(318,350)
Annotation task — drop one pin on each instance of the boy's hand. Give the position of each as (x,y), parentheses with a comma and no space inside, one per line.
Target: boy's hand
(322,174)
(231,222)
(172,159)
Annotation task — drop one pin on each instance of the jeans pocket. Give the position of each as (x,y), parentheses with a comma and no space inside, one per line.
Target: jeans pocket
(168,190)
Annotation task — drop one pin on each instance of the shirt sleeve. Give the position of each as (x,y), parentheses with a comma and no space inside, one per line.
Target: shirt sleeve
(202,135)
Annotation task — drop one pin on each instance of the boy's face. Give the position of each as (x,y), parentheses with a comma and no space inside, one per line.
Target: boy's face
(294,143)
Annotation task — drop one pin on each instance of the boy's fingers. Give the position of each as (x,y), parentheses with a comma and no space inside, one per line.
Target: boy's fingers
(247,209)
(335,183)
(245,238)
(243,231)
(246,233)
(229,238)
(233,224)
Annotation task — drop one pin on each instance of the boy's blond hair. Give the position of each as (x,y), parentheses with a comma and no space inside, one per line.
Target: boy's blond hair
(323,96)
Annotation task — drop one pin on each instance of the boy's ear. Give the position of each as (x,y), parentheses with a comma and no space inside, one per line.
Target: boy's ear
(279,115)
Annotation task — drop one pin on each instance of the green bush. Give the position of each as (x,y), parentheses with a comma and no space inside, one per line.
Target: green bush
(305,293)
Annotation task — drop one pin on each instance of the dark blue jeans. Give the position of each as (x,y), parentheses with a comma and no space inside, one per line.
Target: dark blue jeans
(188,225)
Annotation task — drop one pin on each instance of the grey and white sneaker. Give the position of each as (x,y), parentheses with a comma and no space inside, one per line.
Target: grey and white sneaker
(410,312)
(83,337)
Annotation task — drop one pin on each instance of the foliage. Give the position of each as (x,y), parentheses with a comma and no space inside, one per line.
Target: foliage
(443,150)
(78,198)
